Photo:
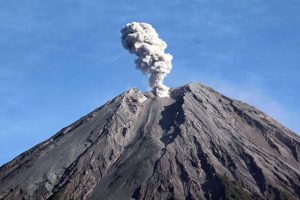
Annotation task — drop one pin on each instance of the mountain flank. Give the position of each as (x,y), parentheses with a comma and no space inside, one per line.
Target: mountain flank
(195,144)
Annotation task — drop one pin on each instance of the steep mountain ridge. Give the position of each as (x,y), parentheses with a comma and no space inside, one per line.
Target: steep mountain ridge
(196,144)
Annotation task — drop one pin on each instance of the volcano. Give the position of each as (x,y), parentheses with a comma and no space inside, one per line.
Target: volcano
(195,144)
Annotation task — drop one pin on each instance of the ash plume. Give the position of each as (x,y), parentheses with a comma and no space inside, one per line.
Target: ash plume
(142,40)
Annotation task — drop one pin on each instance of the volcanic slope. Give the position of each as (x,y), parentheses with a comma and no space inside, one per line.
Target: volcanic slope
(195,144)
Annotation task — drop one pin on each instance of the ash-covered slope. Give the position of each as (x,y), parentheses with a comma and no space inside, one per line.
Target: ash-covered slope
(197,144)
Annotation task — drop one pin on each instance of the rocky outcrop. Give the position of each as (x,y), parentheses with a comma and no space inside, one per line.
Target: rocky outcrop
(196,144)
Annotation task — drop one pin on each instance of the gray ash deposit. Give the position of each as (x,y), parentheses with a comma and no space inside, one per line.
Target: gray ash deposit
(195,144)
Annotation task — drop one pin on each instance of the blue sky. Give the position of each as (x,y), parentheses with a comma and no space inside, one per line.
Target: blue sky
(61,59)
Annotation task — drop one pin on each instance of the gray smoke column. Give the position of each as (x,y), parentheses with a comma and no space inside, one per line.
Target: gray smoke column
(142,39)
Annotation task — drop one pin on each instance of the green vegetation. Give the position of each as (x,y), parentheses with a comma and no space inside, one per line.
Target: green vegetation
(285,195)
(59,194)
(233,190)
